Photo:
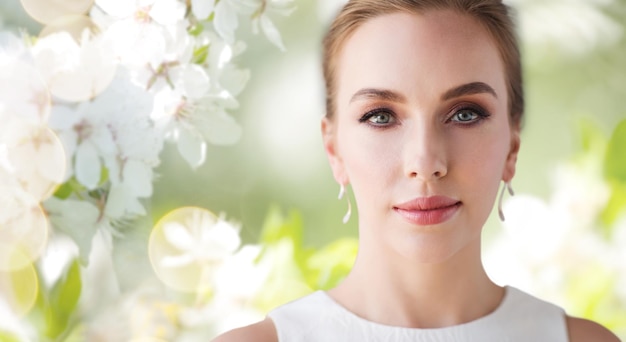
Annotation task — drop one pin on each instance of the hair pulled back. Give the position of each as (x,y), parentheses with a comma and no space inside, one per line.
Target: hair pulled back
(493,15)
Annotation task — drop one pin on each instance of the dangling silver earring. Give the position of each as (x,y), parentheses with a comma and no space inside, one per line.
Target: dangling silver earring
(342,191)
(507,186)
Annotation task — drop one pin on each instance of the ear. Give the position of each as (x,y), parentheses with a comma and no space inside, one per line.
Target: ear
(329,138)
(511,159)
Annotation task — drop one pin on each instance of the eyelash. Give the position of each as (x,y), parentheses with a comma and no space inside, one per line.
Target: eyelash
(479,112)
(367,116)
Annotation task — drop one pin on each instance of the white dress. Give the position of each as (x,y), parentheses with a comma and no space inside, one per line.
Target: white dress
(519,317)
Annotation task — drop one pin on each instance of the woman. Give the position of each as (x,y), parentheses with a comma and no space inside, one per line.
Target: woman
(424,108)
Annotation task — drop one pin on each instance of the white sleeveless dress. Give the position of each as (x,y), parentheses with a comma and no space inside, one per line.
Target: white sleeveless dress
(519,317)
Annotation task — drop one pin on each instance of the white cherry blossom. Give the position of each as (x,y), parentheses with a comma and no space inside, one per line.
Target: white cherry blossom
(75,71)
(38,160)
(78,219)
(46,11)
(12,47)
(126,76)
(226,21)
(202,239)
(24,95)
(261,18)
(139,30)
(202,8)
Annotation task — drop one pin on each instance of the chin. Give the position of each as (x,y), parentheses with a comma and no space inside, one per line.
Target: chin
(431,249)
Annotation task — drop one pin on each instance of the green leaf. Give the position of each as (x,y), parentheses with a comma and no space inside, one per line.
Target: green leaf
(196,29)
(615,174)
(37,315)
(615,157)
(64,191)
(277,227)
(6,336)
(200,54)
(66,292)
(328,266)
(104,176)
(71,186)
(63,299)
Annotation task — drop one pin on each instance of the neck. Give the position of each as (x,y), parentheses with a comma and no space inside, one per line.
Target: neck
(404,292)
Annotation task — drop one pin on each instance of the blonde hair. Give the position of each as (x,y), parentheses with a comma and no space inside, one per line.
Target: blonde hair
(493,15)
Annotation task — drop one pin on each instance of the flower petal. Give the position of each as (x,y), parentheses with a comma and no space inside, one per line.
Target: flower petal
(223,129)
(178,236)
(175,261)
(78,219)
(167,12)
(192,147)
(63,118)
(192,80)
(87,165)
(271,32)
(222,235)
(117,8)
(225,21)
(234,79)
(121,202)
(116,202)
(138,177)
(133,206)
(202,8)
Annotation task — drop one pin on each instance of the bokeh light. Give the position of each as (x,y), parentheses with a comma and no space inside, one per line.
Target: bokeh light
(75,25)
(18,287)
(188,245)
(39,160)
(23,229)
(46,11)
(23,93)
(75,70)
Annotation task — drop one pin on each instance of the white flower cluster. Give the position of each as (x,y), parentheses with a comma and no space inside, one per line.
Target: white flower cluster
(192,250)
(87,106)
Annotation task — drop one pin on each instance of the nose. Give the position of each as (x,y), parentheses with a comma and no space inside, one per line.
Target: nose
(425,154)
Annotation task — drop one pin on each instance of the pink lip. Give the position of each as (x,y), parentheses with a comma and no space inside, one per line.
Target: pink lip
(425,211)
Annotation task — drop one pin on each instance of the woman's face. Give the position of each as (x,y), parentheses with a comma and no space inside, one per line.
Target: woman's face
(421,131)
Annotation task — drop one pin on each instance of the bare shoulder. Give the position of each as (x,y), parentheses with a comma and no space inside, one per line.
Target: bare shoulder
(582,330)
(263,331)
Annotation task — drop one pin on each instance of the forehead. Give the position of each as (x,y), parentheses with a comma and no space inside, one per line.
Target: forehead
(423,55)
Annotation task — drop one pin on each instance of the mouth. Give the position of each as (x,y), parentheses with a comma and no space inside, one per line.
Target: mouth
(426,211)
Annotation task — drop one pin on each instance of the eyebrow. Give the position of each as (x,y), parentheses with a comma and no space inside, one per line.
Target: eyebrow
(468,89)
(371,93)
(388,95)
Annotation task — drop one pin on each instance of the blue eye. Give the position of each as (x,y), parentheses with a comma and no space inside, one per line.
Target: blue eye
(378,117)
(468,116)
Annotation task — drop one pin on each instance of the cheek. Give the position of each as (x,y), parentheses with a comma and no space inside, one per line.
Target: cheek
(484,160)
(479,166)
(370,163)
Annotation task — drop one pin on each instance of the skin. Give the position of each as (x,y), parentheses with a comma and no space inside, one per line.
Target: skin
(422,113)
